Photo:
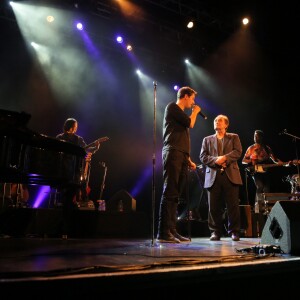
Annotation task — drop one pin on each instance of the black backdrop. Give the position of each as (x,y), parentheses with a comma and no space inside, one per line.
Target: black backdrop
(111,104)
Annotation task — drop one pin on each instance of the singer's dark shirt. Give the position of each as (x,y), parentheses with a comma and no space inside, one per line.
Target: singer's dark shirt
(176,126)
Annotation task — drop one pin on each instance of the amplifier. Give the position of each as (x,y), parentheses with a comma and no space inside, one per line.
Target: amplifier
(265,201)
(246,221)
(277,196)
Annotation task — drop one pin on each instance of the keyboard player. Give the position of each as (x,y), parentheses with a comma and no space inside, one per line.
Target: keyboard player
(70,195)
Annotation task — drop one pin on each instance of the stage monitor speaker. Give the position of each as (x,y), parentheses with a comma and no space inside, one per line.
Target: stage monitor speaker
(121,199)
(282,227)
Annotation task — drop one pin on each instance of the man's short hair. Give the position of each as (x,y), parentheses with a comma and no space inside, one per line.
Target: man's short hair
(225,118)
(69,123)
(259,132)
(185,90)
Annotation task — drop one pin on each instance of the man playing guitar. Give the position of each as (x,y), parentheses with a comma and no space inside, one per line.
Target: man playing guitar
(258,158)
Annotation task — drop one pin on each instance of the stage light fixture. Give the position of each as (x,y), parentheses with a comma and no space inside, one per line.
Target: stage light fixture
(245,21)
(50,19)
(79,26)
(129,47)
(119,39)
(190,24)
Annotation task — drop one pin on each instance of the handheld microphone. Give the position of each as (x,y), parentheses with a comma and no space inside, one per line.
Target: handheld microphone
(202,115)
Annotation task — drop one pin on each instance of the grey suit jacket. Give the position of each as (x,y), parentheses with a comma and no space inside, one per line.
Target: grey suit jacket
(232,148)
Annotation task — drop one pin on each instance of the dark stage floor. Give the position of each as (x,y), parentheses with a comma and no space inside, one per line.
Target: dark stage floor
(47,268)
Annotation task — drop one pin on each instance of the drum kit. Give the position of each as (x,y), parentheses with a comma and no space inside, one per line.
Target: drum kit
(294,179)
(265,201)
(295,185)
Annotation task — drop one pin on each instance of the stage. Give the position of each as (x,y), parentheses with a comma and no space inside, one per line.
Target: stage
(114,254)
(47,268)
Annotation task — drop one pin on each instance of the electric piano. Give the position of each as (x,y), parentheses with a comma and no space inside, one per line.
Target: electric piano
(33,158)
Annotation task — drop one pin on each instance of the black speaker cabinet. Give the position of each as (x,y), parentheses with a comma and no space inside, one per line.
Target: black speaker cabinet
(246,220)
(121,201)
(282,227)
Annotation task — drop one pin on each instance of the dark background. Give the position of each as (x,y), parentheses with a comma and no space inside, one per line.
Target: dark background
(254,72)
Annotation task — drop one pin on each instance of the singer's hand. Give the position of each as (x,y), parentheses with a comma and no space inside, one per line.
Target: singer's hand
(192,166)
(196,109)
(199,112)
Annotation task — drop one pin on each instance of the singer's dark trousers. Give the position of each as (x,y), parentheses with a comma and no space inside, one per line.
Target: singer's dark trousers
(175,168)
(223,194)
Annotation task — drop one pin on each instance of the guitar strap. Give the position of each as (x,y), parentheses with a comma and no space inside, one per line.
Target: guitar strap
(267,149)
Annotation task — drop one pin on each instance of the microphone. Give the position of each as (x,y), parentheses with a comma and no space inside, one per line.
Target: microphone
(284,131)
(202,115)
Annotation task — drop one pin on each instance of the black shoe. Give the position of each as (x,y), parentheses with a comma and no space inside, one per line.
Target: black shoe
(215,237)
(235,237)
(167,238)
(181,238)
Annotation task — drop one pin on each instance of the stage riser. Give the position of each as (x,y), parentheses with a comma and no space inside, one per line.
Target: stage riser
(84,223)
(90,223)
(196,228)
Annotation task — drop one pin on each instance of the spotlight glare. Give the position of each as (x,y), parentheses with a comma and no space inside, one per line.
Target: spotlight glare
(129,47)
(190,24)
(79,26)
(176,87)
(33,44)
(50,19)
(119,39)
(187,61)
(245,21)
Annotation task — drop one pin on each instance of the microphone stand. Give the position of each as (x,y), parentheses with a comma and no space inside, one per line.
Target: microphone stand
(103,180)
(189,211)
(295,138)
(100,201)
(286,133)
(153,161)
(246,184)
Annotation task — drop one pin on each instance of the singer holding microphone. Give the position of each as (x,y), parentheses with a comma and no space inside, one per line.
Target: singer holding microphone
(176,161)
(220,153)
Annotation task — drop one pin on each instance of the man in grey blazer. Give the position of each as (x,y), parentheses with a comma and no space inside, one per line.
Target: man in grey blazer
(220,153)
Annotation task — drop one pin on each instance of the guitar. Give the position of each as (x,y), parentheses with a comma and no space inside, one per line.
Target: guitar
(100,140)
(88,158)
(85,177)
(262,168)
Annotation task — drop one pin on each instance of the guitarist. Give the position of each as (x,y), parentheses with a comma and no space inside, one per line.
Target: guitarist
(260,153)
